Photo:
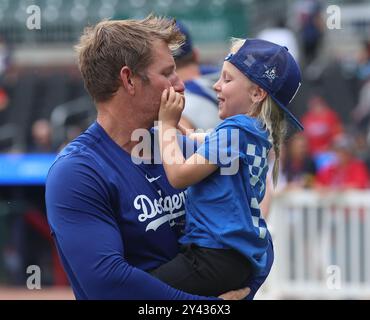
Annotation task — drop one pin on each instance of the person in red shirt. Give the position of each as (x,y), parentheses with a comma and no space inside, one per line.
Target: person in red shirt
(347,172)
(321,125)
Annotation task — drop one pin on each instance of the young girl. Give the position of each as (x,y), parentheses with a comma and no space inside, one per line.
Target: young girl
(226,239)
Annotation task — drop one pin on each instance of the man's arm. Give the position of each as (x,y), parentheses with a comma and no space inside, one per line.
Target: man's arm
(89,240)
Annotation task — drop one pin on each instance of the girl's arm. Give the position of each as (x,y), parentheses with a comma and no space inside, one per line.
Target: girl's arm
(180,173)
(184,130)
(184,125)
(197,136)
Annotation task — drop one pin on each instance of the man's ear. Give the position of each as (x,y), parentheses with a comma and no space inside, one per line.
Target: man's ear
(258,94)
(196,55)
(128,82)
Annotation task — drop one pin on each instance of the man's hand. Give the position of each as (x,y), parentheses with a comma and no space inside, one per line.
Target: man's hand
(235,294)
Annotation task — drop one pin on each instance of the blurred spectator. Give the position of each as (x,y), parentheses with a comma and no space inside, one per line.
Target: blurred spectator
(361,113)
(4,57)
(310,27)
(362,147)
(72,132)
(41,137)
(201,104)
(321,125)
(4,66)
(298,166)
(281,35)
(4,99)
(348,172)
(297,170)
(364,63)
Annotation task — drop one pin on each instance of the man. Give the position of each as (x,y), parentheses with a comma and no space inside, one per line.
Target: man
(112,218)
(279,33)
(347,171)
(201,108)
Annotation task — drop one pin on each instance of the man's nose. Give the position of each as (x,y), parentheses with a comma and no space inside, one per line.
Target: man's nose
(178,85)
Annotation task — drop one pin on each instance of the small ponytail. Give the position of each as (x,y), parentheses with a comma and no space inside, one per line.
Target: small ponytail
(274,119)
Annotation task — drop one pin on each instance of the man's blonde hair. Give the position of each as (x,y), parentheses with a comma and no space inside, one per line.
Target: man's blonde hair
(271,115)
(105,48)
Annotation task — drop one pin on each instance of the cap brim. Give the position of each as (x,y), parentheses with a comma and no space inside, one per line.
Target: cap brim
(290,117)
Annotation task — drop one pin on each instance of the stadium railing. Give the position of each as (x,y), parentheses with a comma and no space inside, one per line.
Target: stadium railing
(322,246)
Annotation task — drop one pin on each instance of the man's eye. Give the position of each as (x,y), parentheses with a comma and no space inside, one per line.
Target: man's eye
(168,73)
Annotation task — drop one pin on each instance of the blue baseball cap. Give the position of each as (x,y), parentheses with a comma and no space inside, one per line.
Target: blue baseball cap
(187,47)
(273,68)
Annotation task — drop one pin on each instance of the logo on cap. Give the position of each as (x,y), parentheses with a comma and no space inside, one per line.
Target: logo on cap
(270,74)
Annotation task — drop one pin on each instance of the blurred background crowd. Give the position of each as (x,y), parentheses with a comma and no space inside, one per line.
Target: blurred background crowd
(43,103)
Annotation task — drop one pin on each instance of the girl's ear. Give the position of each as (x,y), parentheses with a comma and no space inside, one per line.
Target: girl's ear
(258,94)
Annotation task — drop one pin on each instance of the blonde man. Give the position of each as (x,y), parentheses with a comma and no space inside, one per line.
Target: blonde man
(113,219)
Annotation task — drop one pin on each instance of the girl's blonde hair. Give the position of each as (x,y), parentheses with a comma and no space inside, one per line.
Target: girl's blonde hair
(271,115)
